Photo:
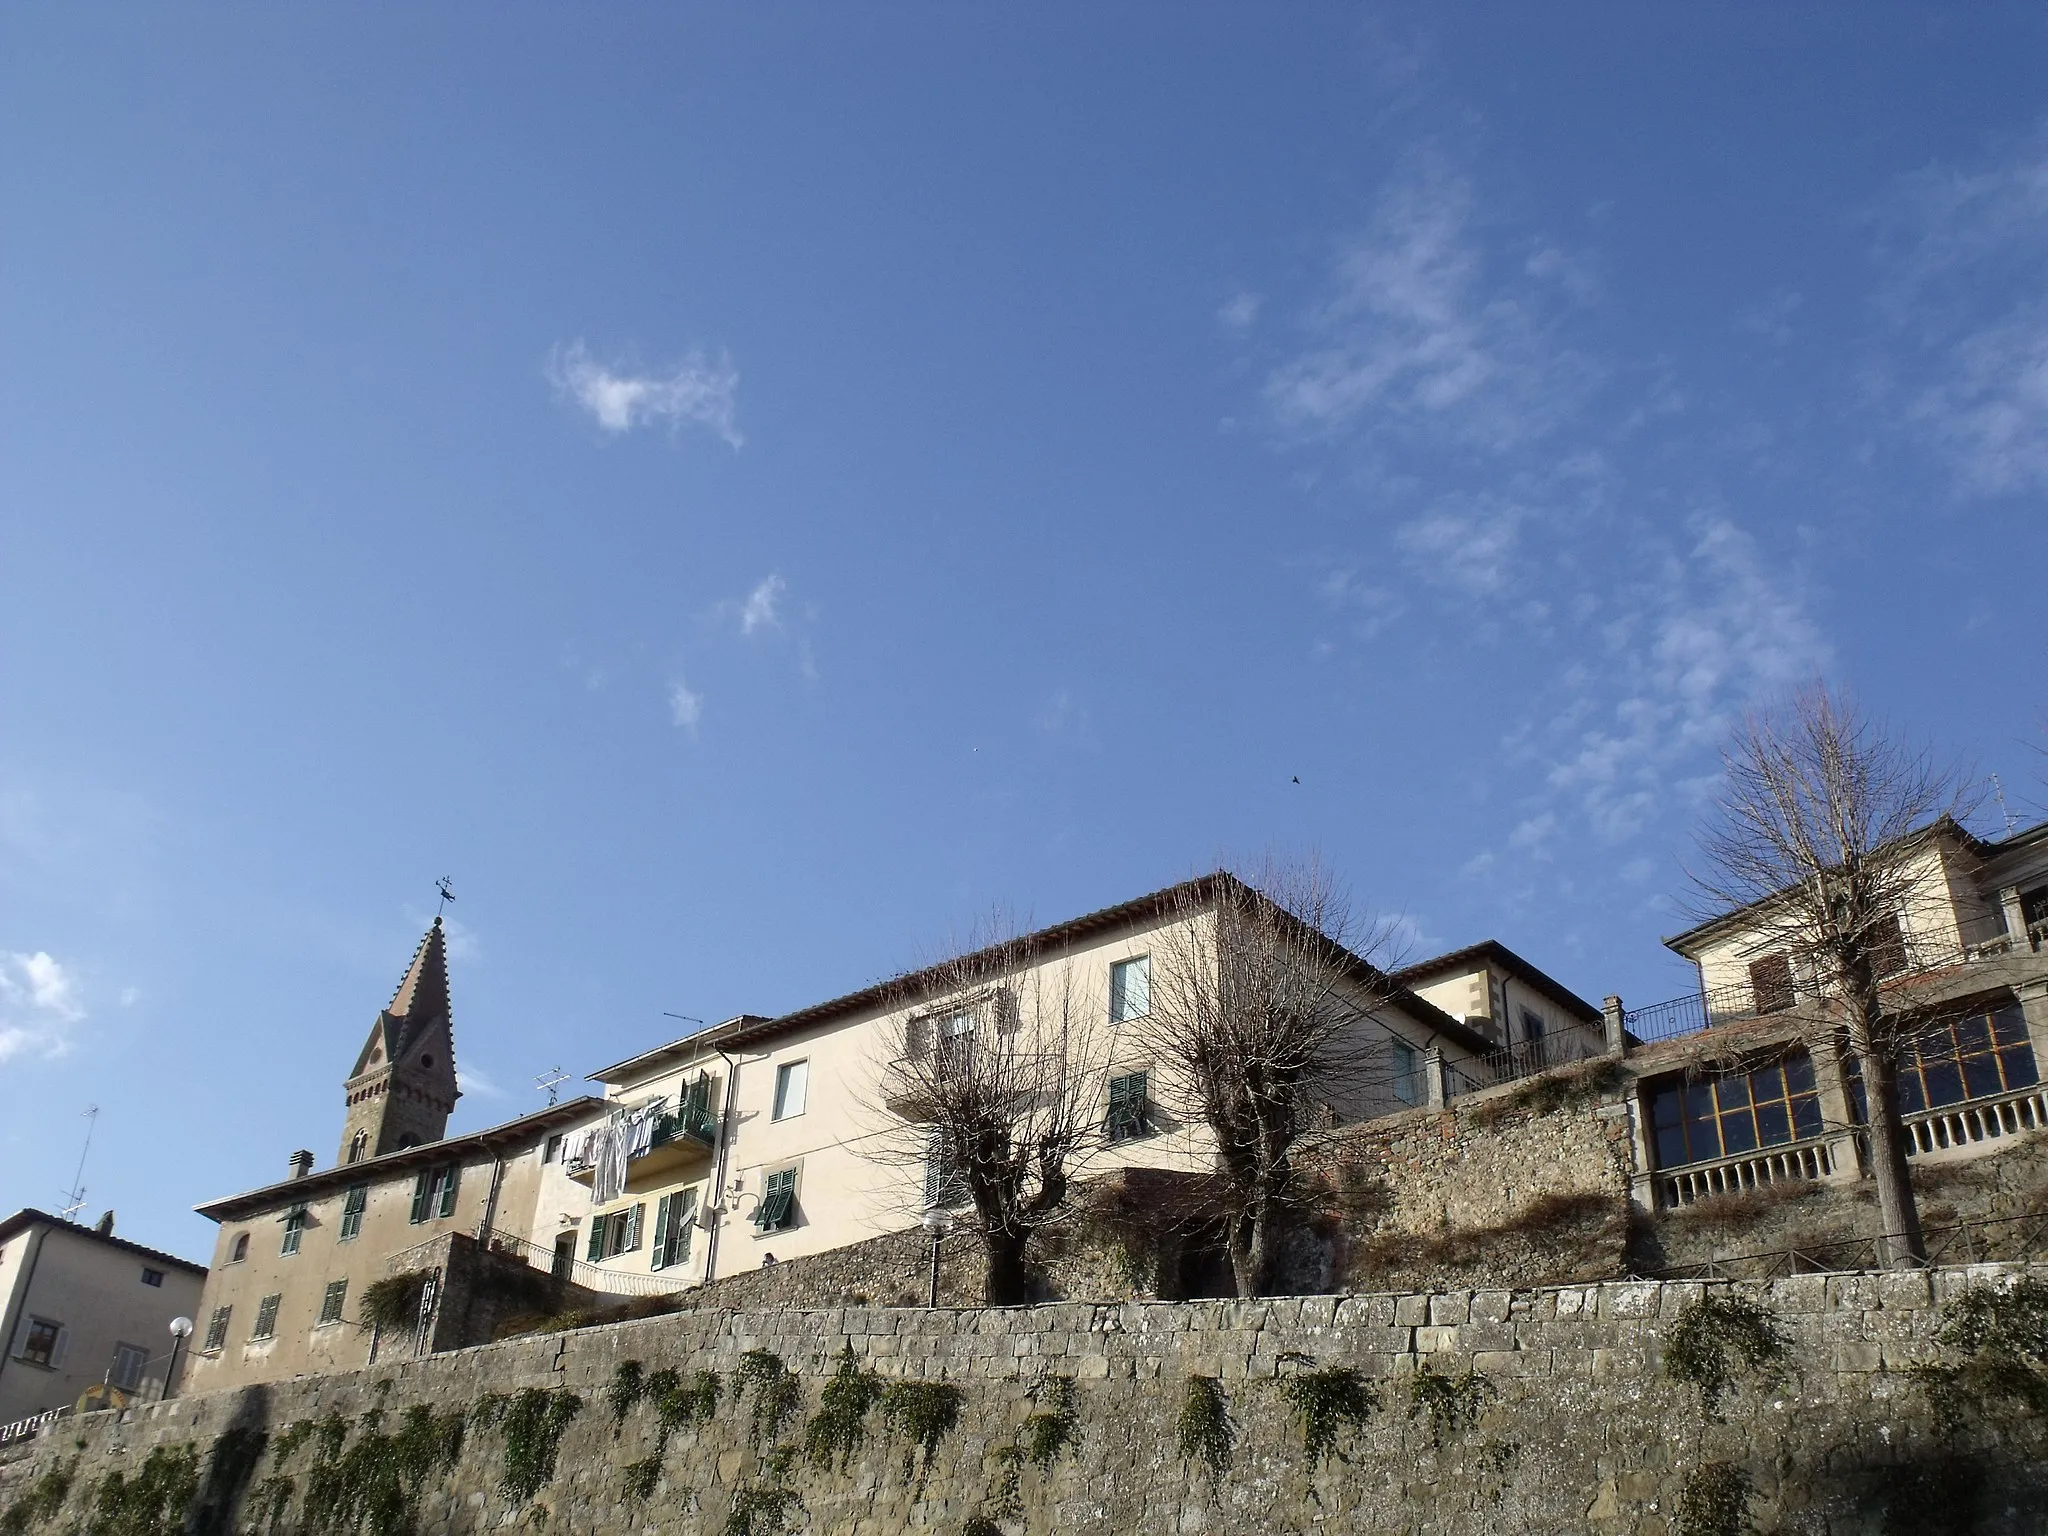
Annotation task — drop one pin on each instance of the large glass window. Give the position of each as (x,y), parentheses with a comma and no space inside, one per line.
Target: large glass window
(1724,1114)
(1968,1058)
(1130,989)
(792,1088)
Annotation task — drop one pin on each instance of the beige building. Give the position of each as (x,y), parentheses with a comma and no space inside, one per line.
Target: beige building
(292,1259)
(1531,1020)
(769,1138)
(82,1308)
(1772,1093)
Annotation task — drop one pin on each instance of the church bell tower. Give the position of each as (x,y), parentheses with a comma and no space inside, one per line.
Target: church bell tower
(403,1087)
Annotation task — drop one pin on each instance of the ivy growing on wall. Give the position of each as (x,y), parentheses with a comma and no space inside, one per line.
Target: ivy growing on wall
(627,1383)
(924,1413)
(762,1507)
(1327,1401)
(374,1483)
(2002,1338)
(679,1404)
(839,1426)
(533,1423)
(392,1304)
(45,1497)
(1452,1403)
(1718,1335)
(1056,1426)
(152,1503)
(1713,1502)
(776,1393)
(1205,1431)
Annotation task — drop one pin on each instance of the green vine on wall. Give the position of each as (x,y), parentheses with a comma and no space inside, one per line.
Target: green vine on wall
(1452,1403)
(762,1507)
(289,1439)
(1713,1502)
(392,1304)
(2002,1336)
(1206,1433)
(45,1497)
(836,1430)
(533,1423)
(375,1482)
(1716,1336)
(152,1503)
(628,1383)
(776,1392)
(924,1413)
(638,1478)
(1327,1401)
(1056,1426)
(270,1501)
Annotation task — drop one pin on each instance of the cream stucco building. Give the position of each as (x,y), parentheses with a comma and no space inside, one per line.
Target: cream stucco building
(80,1308)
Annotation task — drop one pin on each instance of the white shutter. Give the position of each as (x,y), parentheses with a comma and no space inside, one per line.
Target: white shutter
(63,1344)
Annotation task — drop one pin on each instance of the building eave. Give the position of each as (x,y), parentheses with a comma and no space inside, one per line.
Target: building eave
(28,1217)
(1499,954)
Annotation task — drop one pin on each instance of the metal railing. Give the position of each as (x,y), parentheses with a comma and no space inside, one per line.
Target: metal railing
(591,1277)
(1563,1049)
(1726,1005)
(33,1425)
(1998,1239)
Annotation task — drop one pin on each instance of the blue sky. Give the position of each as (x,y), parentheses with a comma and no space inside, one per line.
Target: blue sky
(744,489)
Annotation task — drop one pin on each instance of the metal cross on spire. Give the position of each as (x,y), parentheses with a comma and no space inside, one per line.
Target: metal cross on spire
(447,890)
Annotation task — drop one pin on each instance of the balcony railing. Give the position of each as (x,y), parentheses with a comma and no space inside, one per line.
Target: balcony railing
(1794,1162)
(1955,1127)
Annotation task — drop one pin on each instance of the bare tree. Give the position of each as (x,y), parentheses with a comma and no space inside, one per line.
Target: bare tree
(1260,1023)
(993,1090)
(1818,836)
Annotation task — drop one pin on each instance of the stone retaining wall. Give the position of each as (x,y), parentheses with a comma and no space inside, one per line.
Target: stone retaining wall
(1573,1427)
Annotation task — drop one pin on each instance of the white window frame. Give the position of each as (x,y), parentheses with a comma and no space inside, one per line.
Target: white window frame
(798,1074)
(1120,1009)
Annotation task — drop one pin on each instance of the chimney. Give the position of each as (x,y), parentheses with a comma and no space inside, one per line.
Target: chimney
(302,1163)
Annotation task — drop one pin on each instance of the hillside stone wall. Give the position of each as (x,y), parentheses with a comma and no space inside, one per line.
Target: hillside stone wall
(1555,1415)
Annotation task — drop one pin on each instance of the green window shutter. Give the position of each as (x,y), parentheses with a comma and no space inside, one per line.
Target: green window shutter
(419,1198)
(778,1197)
(330,1304)
(448,1189)
(697,1104)
(661,1234)
(680,1223)
(633,1228)
(595,1250)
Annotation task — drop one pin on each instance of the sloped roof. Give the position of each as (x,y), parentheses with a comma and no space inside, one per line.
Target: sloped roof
(29,1217)
(1472,956)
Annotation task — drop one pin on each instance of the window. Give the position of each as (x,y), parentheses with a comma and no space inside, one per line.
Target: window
(553,1149)
(1130,989)
(294,1229)
(1967,1058)
(1725,1114)
(792,1084)
(130,1361)
(672,1223)
(433,1193)
(1532,1025)
(945,1182)
(266,1316)
(217,1329)
(1887,946)
(1130,1111)
(153,1277)
(1407,1073)
(778,1202)
(615,1234)
(330,1303)
(352,1206)
(358,1146)
(241,1249)
(1771,980)
(43,1344)
(940,1031)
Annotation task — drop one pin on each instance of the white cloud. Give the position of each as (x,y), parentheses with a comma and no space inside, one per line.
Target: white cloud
(472,1080)
(1472,551)
(1533,833)
(1239,313)
(697,392)
(684,707)
(1965,257)
(1415,338)
(759,610)
(39,1005)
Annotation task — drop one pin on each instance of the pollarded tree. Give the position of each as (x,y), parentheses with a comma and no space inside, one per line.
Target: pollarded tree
(1819,837)
(991,1090)
(1260,1020)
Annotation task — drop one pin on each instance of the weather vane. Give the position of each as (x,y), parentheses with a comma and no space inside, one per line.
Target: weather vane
(447,890)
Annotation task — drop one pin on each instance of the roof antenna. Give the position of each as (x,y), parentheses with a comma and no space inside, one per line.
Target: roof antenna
(550,1083)
(447,895)
(75,1195)
(2011,821)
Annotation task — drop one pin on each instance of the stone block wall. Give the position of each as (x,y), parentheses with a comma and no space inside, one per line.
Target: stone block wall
(1563,1421)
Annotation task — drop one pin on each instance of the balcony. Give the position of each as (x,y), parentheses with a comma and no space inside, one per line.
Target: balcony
(680,1139)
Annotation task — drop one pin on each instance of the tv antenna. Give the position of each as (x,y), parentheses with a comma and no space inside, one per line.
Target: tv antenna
(550,1083)
(2011,821)
(74,1197)
(447,890)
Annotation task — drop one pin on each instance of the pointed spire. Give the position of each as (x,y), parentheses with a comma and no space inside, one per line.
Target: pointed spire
(422,993)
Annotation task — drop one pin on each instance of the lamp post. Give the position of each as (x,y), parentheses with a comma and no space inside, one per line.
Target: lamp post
(181,1330)
(937,1222)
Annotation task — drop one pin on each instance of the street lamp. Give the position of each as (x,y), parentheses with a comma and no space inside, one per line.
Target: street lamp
(937,1222)
(181,1330)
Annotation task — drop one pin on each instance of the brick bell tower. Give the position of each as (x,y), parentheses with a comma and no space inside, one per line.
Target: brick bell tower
(403,1087)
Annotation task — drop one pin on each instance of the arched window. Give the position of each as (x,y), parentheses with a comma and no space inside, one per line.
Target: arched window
(241,1248)
(358,1145)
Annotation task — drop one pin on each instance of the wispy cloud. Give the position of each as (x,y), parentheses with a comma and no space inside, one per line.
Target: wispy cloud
(1418,336)
(1239,313)
(472,1080)
(39,1005)
(685,708)
(697,392)
(1964,254)
(1469,548)
(759,611)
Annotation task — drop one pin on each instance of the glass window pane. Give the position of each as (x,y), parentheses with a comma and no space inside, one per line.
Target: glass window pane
(1980,1075)
(1799,1073)
(1701,1132)
(1912,1096)
(1738,1131)
(1973,1035)
(1732,1092)
(2009,1026)
(1663,1105)
(1944,1082)
(1767,1083)
(2020,1071)
(1773,1123)
(1671,1147)
(1806,1116)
